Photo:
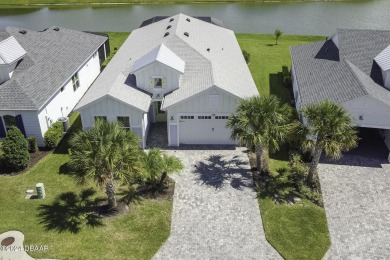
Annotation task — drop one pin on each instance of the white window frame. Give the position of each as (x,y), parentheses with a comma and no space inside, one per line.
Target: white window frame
(124,127)
(75,81)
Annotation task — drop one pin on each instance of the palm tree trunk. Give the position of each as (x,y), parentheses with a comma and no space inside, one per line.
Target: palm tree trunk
(314,164)
(261,159)
(163,177)
(110,191)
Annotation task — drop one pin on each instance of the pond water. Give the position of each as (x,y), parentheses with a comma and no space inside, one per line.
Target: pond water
(310,18)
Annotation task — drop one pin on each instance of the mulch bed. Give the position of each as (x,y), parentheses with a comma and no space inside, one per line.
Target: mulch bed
(166,193)
(34,159)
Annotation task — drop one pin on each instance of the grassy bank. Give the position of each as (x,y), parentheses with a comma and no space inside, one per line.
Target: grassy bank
(19,3)
(297,231)
(135,235)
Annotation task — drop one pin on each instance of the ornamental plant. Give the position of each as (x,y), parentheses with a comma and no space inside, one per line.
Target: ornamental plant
(15,149)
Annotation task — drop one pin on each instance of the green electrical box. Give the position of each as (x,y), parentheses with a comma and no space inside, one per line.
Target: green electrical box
(40,191)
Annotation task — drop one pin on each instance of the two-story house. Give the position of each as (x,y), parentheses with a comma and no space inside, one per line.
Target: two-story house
(43,75)
(181,70)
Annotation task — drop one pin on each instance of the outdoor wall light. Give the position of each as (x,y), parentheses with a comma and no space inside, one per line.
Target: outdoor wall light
(360,117)
(172,118)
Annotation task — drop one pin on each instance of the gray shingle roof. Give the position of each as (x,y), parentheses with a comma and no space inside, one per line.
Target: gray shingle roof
(52,58)
(325,72)
(223,65)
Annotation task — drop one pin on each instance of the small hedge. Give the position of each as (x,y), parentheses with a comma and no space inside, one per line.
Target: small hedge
(32,144)
(247,56)
(15,149)
(53,135)
(286,75)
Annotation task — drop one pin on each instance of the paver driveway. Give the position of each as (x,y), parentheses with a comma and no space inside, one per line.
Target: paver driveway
(215,210)
(356,195)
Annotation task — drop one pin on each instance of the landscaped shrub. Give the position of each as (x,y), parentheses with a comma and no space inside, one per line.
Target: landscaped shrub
(298,175)
(15,149)
(53,135)
(247,56)
(32,144)
(1,150)
(286,75)
(298,170)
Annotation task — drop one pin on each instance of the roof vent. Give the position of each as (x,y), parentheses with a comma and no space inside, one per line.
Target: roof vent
(23,31)
(188,20)
(208,49)
(56,29)
(171,20)
(166,34)
(187,34)
(168,27)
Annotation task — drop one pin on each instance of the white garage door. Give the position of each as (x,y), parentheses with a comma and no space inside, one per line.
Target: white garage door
(204,129)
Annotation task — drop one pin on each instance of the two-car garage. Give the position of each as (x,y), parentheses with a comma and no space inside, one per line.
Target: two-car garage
(201,129)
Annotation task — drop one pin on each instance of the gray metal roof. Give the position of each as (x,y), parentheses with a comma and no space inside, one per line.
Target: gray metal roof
(52,58)
(383,59)
(211,54)
(161,54)
(10,51)
(325,72)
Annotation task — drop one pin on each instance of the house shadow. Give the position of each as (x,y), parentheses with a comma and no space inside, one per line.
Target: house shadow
(276,87)
(70,212)
(63,147)
(216,171)
(371,151)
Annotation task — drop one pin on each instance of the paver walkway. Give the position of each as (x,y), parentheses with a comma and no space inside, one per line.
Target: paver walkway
(356,194)
(215,210)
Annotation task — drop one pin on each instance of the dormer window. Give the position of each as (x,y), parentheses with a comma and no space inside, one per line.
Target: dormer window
(158,83)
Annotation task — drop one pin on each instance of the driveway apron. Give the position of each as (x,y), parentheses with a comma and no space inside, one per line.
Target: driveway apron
(356,192)
(215,210)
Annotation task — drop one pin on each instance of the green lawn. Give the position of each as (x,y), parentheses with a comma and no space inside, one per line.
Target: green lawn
(267,59)
(137,235)
(298,231)
(116,41)
(97,2)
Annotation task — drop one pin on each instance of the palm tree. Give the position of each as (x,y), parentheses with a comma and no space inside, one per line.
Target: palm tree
(277,34)
(329,128)
(263,123)
(104,154)
(157,165)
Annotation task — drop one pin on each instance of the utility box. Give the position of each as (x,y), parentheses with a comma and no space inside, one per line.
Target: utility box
(40,191)
(65,123)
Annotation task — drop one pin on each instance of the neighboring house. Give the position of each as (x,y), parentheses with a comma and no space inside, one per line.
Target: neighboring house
(43,75)
(351,68)
(180,70)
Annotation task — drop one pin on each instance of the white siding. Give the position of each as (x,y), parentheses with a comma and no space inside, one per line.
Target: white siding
(227,103)
(30,122)
(158,70)
(110,108)
(63,102)
(386,78)
(297,97)
(335,39)
(211,102)
(374,113)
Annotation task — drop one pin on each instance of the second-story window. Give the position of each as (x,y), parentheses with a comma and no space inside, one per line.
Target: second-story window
(75,81)
(157,82)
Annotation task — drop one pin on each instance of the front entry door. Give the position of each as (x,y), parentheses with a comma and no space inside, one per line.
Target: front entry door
(160,116)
